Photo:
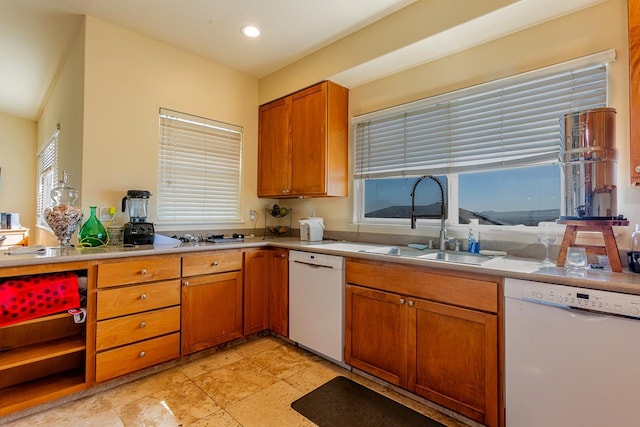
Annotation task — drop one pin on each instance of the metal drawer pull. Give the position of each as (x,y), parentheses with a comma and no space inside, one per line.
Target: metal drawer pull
(402,301)
(186,283)
(142,354)
(143,296)
(143,271)
(410,303)
(214,264)
(143,324)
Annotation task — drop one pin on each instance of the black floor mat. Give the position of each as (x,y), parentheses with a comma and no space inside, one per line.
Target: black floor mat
(344,403)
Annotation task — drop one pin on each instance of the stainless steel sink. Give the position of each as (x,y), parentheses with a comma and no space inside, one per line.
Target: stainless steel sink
(395,251)
(456,257)
(430,254)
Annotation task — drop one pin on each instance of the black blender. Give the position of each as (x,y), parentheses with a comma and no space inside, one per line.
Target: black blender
(137,231)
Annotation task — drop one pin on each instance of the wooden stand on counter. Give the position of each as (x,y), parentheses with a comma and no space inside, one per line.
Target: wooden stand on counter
(605,227)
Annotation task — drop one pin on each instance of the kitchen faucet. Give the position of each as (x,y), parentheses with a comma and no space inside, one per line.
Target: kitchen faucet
(414,216)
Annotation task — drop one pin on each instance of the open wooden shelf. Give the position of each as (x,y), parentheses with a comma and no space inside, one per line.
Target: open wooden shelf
(39,391)
(42,351)
(41,319)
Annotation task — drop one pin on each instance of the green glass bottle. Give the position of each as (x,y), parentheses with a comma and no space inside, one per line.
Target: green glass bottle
(92,232)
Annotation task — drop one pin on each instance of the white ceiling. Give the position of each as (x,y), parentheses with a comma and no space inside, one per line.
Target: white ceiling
(35,34)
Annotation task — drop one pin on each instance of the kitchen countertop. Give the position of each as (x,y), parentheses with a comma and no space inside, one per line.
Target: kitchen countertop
(519,268)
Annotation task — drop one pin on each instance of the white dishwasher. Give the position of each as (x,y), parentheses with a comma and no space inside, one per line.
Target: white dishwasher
(316,303)
(571,356)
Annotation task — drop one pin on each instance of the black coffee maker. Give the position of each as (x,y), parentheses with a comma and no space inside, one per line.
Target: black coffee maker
(137,231)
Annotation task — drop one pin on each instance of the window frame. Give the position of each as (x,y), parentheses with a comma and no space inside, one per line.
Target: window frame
(601,58)
(210,153)
(47,162)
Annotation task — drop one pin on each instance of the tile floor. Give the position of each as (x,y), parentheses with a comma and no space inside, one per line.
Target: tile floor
(252,384)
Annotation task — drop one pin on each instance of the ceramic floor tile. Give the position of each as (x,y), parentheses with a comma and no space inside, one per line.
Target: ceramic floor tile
(234,382)
(185,403)
(285,361)
(142,387)
(210,363)
(220,418)
(270,407)
(63,417)
(312,375)
(260,345)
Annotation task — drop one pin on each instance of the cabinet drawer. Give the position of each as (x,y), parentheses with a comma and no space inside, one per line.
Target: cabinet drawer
(120,361)
(212,262)
(137,327)
(137,271)
(135,299)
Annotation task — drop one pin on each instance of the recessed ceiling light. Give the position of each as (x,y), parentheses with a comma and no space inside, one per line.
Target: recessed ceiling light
(250,31)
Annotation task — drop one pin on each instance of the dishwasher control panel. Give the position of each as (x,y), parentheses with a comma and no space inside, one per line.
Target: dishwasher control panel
(569,296)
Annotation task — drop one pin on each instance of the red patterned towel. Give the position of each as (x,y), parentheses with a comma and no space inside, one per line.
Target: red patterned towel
(28,297)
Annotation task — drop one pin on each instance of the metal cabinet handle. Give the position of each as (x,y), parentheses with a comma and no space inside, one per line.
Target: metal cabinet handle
(402,301)
(286,190)
(142,354)
(283,256)
(143,296)
(143,271)
(143,324)
(185,283)
(637,169)
(410,303)
(214,264)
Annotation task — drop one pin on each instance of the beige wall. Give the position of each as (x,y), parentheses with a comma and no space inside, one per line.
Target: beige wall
(64,106)
(17,177)
(413,23)
(128,77)
(595,29)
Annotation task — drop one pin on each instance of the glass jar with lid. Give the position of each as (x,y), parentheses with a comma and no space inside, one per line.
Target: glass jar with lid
(63,216)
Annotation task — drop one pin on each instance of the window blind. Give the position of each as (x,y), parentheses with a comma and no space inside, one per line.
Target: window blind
(508,123)
(47,173)
(199,166)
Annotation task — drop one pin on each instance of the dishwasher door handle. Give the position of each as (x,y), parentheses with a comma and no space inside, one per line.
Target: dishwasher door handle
(313,265)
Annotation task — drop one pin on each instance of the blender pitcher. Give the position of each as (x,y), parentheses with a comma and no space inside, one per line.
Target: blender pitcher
(138,204)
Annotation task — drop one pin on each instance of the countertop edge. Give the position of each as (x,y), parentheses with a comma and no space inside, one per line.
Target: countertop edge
(625,282)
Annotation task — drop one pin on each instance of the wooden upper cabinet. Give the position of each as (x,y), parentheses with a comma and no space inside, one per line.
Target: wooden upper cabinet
(303,143)
(634,89)
(274,156)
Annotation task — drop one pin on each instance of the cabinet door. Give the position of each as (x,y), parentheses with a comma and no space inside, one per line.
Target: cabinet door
(274,154)
(634,89)
(376,333)
(309,141)
(211,310)
(279,292)
(256,291)
(453,358)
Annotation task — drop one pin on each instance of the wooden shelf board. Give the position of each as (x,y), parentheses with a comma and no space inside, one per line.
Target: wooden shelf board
(46,350)
(39,319)
(39,391)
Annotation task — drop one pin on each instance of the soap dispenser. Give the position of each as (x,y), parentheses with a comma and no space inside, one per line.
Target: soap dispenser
(474,237)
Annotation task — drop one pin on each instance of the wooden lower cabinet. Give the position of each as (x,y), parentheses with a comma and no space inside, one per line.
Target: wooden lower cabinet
(137,325)
(453,361)
(266,291)
(377,320)
(279,291)
(211,310)
(256,291)
(443,352)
